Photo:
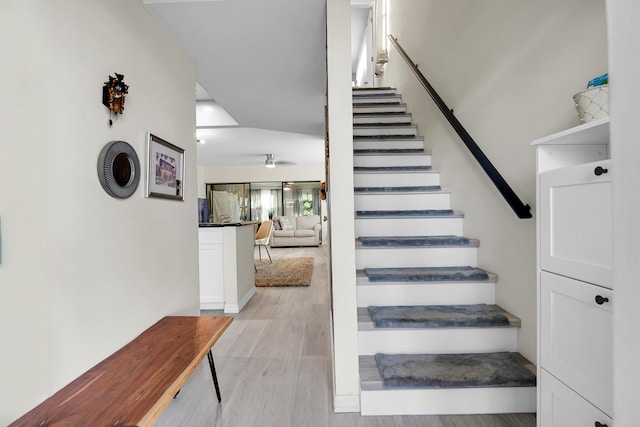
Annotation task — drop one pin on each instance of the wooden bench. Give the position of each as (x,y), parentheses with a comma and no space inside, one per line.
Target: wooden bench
(132,386)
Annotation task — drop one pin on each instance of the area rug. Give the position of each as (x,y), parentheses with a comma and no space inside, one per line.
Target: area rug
(284,272)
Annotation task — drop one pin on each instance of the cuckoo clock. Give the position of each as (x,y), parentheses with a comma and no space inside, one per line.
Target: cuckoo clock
(113,93)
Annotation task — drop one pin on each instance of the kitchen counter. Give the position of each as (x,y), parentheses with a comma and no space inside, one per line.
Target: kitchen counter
(226,265)
(227,224)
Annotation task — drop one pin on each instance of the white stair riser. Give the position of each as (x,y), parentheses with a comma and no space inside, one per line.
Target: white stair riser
(425,293)
(381,144)
(408,130)
(420,201)
(492,400)
(416,257)
(395,179)
(437,340)
(392,160)
(408,226)
(382,118)
(376,99)
(382,108)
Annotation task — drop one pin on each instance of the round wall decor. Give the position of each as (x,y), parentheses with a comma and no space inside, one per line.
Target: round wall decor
(119,169)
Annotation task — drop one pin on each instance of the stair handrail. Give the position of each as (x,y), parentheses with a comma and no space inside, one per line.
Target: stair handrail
(521,210)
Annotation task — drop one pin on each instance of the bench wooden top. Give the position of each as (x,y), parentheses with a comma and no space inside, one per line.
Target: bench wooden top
(132,386)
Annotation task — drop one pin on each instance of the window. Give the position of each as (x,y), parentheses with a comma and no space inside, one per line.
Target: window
(228,202)
(266,200)
(259,201)
(301,198)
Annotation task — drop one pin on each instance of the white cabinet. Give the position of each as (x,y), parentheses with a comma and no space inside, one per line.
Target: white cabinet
(226,267)
(575,277)
(561,406)
(576,329)
(211,261)
(576,222)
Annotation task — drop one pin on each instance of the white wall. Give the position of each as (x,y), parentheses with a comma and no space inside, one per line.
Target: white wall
(83,273)
(365,65)
(340,199)
(509,70)
(624,39)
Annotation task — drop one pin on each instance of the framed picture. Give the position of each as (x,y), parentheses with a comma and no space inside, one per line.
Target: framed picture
(165,169)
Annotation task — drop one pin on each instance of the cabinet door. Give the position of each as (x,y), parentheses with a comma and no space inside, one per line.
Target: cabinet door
(562,407)
(211,277)
(576,222)
(576,337)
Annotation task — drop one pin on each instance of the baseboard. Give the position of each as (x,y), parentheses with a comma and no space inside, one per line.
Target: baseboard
(247,297)
(235,308)
(346,403)
(211,305)
(231,308)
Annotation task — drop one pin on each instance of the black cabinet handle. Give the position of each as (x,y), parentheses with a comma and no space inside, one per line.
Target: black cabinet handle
(599,170)
(601,300)
(599,424)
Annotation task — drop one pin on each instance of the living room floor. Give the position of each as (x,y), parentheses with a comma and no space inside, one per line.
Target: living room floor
(274,367)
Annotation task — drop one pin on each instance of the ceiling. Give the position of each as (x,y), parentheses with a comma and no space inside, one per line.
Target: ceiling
(261,67)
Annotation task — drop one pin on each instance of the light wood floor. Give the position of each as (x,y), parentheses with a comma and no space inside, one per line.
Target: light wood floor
(274,368)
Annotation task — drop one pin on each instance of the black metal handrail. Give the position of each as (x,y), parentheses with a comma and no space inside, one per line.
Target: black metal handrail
(521,210)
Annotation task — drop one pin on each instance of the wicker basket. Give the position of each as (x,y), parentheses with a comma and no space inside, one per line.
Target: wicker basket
(592,103)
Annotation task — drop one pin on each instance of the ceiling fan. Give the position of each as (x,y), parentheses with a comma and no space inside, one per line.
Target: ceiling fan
(271,162)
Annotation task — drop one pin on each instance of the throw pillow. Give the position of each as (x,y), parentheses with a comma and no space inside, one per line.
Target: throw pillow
(285,223)
(276,224)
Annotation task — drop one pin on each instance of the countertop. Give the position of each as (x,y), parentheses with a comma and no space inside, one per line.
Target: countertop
(227,224)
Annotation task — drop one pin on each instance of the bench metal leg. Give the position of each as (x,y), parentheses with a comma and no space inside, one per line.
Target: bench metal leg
(213,374)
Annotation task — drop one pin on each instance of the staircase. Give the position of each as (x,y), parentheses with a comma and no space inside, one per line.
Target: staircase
(430,338)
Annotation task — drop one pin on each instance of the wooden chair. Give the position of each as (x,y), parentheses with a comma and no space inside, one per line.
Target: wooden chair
(263,237)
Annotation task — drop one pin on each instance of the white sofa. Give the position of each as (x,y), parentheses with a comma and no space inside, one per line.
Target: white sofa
(296,231)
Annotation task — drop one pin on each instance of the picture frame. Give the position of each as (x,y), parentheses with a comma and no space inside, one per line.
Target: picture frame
(165,169)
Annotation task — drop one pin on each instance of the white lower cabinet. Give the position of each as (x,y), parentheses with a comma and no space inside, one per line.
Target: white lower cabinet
(562,407)
(575,277)
(575,334)
(211,259)
(576,223)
